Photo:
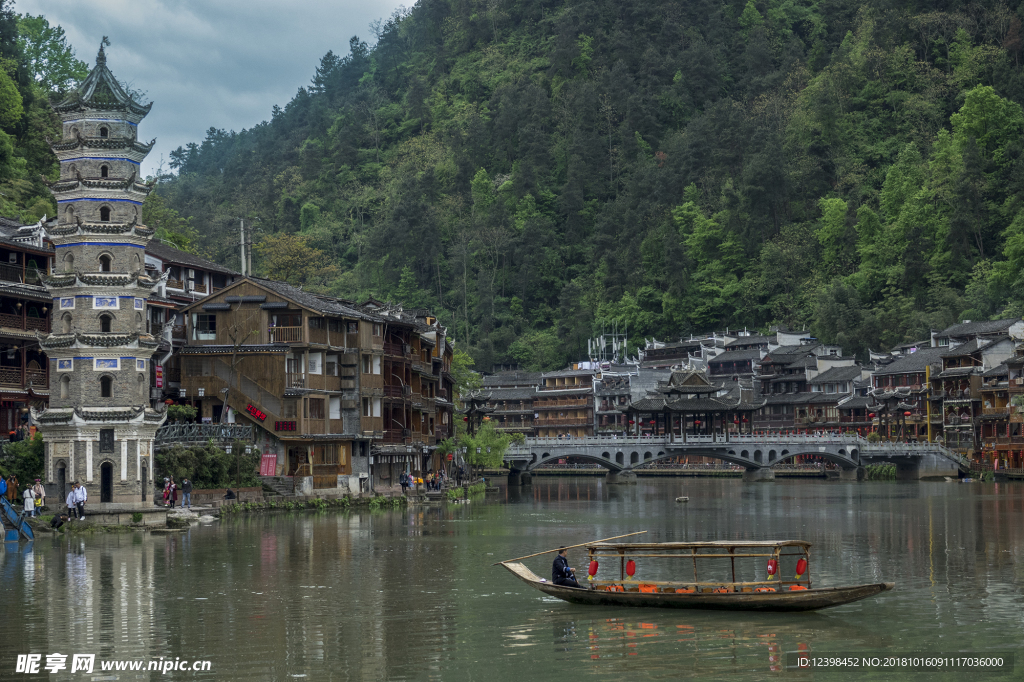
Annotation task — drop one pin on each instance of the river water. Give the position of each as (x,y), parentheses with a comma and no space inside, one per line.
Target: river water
(412,594)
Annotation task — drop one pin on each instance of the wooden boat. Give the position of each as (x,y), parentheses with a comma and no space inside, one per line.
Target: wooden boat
(771,594)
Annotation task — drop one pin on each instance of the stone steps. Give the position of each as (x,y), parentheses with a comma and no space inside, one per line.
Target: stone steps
(281,485)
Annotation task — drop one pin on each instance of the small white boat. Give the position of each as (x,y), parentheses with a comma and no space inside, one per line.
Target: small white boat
(682,499)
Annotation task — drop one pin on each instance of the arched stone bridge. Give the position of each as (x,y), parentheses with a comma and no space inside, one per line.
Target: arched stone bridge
(755,453)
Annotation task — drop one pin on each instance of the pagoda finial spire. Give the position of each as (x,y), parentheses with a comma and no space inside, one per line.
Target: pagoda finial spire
(101,57)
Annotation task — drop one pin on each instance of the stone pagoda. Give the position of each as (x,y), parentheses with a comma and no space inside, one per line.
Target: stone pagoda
(99,427)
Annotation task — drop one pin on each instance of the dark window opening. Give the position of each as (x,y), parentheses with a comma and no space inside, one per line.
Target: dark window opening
(105,323)
(103,132)
(106,437)
(104,171)
(106,391)
(105,263)
(105,214)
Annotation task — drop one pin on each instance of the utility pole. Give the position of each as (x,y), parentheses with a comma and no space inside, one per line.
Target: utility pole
(241,244)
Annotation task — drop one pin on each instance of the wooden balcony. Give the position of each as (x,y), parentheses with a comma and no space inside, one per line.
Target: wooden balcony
(15,273)
(175,284)
(295,380)
(198,287)
(285,334)
(394,349)
(568,421)
(555,403)
(24,323)
(10,377)
(998,411)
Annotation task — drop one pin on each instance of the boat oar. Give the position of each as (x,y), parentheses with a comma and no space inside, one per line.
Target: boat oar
(559,549)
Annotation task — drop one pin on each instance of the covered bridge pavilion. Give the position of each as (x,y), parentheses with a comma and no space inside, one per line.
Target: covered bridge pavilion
(688,405)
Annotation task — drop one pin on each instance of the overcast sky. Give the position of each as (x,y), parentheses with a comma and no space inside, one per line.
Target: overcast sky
(203,63)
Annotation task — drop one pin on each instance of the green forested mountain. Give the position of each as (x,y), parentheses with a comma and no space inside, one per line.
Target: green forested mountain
(539,168)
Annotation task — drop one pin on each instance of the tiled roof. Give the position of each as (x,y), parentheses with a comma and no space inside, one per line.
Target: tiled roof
(997,371)
(736,356)
(221,350)
(318,303)
(958,372)
(838,374)
(979,327)
(520,393)
(747,340)
(169,254)
(915,362)
(512,379)
(857,401)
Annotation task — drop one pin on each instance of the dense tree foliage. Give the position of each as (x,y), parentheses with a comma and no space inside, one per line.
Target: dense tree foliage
(536,169)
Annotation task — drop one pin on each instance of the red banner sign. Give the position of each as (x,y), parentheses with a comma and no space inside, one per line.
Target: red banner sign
(268,464)
(256,412)
(159,369)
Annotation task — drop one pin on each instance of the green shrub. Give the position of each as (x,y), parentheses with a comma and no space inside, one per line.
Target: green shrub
(23,459)
(880,472)
(208,466)
(137,517)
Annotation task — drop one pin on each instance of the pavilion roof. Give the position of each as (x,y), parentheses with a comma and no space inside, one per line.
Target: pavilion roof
(100,90)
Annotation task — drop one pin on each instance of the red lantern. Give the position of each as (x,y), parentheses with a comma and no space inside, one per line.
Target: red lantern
(773,568)
(744,420)
(465,419)
(872,415)
(801,568)
(630,568)
(593,568)
(652,421)
(696,422)
(907,413)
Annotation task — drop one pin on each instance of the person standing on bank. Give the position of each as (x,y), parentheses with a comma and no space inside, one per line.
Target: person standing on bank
(40,493)
(173,492)
(30,501)
(561,573)
(81,497)
(186,493)
(72,501)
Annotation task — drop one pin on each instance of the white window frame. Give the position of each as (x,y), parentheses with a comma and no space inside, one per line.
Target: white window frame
(65,364)
(96,303)
(140,304)
(96,364)
(67,303)
(140,364)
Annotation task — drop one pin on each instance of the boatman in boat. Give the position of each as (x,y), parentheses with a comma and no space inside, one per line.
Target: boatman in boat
(561,573)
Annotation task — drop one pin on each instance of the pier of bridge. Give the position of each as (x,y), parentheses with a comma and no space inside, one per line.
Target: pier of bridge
(756,453)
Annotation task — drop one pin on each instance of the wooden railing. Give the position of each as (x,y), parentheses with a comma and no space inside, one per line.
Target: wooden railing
(575,421)
(394,349)
(394,391)
(285,334)
(295,380)
(550,404)
(175,284)
(10,321)
(14,273)
(996,410)
(199,288)
(178,331)
(40,324)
